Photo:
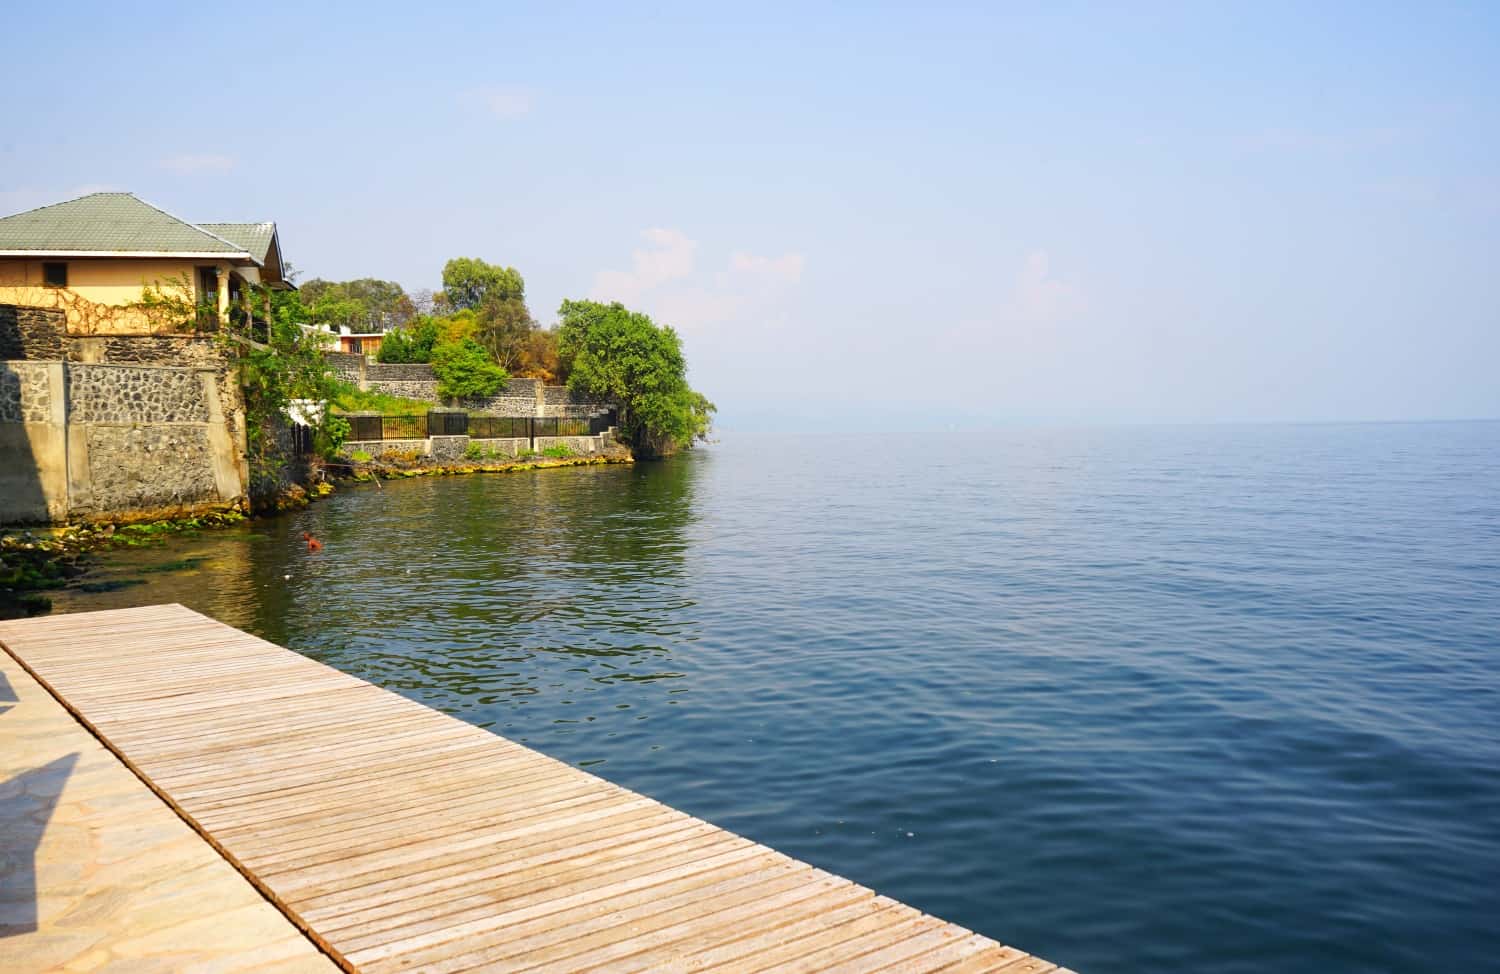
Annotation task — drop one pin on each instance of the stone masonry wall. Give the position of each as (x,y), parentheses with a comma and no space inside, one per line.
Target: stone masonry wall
(452,449)
(32,333)
(519,397)
(83,441)
(40,334)
(135,394)
(348,366)
(565,402)
(25,392)
(149,467)
(399,379)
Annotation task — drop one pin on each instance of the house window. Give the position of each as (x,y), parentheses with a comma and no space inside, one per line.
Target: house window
(55,275)
(208,298)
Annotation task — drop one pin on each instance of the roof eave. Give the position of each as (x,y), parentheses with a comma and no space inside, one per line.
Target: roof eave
(276,246)
(193,254)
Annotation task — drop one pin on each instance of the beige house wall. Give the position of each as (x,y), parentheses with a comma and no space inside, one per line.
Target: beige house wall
(100,290)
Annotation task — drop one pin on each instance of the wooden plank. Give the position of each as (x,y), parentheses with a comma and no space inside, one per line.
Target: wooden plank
(401,839)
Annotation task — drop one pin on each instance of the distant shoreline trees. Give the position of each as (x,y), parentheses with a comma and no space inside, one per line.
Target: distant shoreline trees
(609,350)
(477,331)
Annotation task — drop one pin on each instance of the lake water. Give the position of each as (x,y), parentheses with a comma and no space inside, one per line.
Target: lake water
(1219,699)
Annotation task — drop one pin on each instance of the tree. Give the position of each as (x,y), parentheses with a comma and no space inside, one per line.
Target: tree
(468,281)
(413,343)
(623,355)
(503,325)
(464,370)
(539,358)
(279,363)
(366,303)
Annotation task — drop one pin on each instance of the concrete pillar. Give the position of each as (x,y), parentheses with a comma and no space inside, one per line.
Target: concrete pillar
(223,294)
(231,475)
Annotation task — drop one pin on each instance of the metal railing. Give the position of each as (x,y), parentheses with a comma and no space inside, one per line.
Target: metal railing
(388,427)
(447,424)
(499,427)
(477,426)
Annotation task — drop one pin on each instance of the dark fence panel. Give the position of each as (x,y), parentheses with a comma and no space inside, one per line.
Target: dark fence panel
(477,426)
(403,427)
(447,424)
(302,440)
(365,428)
(497,427)
(560,426)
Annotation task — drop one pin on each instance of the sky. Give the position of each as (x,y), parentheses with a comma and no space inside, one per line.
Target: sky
(920,216)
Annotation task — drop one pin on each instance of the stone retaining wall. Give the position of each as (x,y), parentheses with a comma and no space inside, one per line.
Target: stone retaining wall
(380,448)
(25,392)
(81,441)
(452,449)
(348,366)
(32,333)
(135,394)
(40,334)
(519,397)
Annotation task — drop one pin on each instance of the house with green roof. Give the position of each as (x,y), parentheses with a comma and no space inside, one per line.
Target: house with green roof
(92,257)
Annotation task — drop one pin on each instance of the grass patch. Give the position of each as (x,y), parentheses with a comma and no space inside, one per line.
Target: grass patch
(352,399)
(475,451)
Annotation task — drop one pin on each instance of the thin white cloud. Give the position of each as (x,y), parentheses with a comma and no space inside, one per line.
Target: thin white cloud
(665,281)
(786,268)
(502,102)
(668,256)
(1039,296)
(188,163)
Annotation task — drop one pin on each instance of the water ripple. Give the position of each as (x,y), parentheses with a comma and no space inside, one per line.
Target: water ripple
(1219,699)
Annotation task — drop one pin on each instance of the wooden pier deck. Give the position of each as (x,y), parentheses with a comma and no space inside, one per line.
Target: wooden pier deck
(398,838)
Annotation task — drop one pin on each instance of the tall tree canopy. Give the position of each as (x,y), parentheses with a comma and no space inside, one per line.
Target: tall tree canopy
(503,325)
(622,354)
(464,370)
(367,303)
(497,296)
(469,281)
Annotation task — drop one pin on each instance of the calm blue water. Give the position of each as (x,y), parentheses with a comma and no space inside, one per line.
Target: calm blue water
(1214,699)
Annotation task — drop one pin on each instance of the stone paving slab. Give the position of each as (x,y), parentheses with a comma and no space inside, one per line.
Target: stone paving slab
(98,874)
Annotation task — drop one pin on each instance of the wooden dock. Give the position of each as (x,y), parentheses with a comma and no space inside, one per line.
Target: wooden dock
(398,838)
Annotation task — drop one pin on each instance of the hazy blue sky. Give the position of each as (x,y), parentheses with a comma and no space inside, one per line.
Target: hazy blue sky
(913,214)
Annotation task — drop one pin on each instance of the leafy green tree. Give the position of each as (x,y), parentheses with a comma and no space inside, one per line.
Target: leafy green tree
(279,362)
(367,303)
(623,355)
(465,371)
(468,281)
(414,343)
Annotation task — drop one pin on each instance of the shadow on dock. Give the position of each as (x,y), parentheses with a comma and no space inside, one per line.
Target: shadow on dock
(26,804)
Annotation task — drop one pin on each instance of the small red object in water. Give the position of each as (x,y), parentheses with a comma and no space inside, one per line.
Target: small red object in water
(313,544)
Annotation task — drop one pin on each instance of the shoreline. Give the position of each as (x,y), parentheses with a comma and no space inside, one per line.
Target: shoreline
(36,559)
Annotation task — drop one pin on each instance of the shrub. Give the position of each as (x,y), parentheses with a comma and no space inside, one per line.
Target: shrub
(352,399)
(464,370)
(559,451)
(411,344)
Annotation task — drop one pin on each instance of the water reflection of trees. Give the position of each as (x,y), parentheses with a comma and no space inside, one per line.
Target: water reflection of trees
(562,595)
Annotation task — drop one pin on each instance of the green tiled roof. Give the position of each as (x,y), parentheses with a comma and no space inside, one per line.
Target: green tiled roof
(255,238)
(109,223)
